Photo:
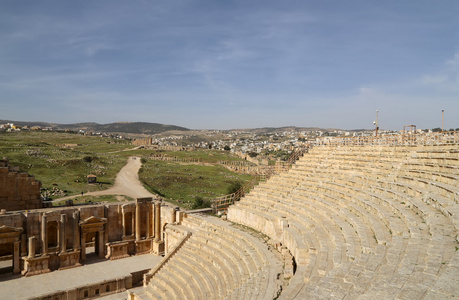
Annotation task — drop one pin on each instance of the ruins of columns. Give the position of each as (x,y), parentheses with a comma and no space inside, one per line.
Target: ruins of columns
(65,238)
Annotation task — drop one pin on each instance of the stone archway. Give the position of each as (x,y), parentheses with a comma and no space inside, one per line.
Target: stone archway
(12,235)
(93,225)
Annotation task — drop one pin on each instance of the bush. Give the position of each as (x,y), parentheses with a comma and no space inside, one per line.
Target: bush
(253,154)
(143,160)
(234,187)
(200,202)
(87,159)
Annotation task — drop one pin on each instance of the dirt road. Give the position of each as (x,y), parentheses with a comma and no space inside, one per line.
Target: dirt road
(126,183)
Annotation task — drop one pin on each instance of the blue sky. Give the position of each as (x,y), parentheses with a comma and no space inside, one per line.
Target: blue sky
(231,64)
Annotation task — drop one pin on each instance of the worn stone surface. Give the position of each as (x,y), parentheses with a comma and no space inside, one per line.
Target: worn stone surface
(18,190)
(367,222)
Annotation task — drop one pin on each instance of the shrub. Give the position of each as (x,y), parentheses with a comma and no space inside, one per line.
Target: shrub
(234,187)
(87,159)
(200,202)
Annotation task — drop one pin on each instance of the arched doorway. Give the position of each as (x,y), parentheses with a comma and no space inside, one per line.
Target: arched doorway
(92,231)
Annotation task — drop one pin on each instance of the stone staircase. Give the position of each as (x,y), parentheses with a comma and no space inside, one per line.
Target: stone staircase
(364,222)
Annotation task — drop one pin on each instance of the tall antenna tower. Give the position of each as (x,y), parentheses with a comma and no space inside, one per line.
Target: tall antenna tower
(376,123)
(442,120)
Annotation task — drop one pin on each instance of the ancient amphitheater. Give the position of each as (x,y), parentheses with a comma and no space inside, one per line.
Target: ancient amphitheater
(345,222)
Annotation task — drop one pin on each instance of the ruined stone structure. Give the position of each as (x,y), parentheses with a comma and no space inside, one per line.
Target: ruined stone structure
(377,222)
(18,190)
(347,222)
(44,240)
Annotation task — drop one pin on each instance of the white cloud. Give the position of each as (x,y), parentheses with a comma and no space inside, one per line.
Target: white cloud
(434,79)
(447,79)
(454,62)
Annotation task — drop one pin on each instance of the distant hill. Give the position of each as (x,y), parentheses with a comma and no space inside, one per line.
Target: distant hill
(285,128)
(120,127)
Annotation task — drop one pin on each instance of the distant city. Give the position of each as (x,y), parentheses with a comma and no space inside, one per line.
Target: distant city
(247,143)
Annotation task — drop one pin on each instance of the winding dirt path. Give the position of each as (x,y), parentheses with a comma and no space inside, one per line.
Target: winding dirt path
(126,183)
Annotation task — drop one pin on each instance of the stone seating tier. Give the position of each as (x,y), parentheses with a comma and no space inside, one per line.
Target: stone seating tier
(377,222)
(210,263)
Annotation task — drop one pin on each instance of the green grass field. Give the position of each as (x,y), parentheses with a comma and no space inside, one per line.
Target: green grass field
(185,182)
(43,155)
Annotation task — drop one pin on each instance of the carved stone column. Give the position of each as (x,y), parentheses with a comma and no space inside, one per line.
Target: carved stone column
(32,240)
(133,223)
(44,234)
(147,208)
(100,247)
(83,246)
(76,232)
(173,214)
(123,222)
(63,242)
(157,221)
(152,218)
(137,221)
(158,244)
(16,255)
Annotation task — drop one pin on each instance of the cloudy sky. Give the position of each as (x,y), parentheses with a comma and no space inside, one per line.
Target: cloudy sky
(228,64)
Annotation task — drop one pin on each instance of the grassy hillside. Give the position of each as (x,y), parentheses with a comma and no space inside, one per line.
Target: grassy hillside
(120,127)
(61,161)
(185,182)
(46,156)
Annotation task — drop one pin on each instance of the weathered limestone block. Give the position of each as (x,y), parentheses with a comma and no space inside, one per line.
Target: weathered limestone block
(18,190)
(143,246)
(35,266)
(69,260)
(117,250)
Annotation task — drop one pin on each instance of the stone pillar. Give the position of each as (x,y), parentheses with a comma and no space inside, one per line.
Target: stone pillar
(32,246)
(23,245)
(173,215)
(137,221)
(100,247)
(152,218)
(63,242)
(157,221)
(44,234)
(133,223)
(83,246)
(76,232)
(123,222)
(16,255)
(148,219)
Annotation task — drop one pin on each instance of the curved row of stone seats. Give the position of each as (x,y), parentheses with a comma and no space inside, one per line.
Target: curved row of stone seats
(218,261)
(362,222)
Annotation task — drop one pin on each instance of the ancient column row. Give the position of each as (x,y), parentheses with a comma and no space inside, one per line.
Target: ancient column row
(62,241)
(155,212)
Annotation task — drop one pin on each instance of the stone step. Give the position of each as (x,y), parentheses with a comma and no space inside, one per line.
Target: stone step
(202,278)
(191,278)
(203,265)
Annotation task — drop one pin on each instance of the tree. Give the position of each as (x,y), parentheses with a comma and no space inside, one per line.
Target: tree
(253,154)
(227,148)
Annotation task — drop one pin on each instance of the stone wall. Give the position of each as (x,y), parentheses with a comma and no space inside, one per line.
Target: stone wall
(57,238)
(18,190)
